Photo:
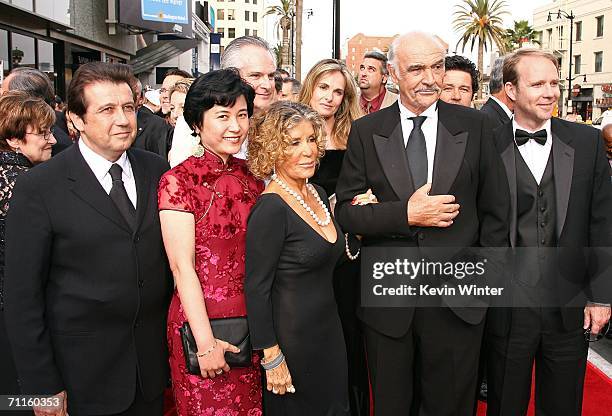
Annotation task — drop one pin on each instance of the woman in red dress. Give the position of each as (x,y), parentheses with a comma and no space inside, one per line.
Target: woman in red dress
(204,203)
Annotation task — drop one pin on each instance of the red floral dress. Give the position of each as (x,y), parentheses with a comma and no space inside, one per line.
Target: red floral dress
(220,197)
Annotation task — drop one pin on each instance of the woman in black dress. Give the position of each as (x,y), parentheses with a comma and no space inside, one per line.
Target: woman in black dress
(331,91)
(292,246)
(25,140)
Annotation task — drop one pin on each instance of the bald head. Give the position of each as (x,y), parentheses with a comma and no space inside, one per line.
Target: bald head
(607,135)
(416,64)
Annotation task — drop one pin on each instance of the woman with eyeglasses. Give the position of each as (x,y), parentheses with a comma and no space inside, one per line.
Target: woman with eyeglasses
(25,140)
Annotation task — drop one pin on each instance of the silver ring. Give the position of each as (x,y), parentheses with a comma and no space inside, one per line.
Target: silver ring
(219,371)
(291,389)
(274,390)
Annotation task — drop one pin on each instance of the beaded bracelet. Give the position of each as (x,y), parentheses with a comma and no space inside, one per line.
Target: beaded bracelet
(348,251)
(272,364)
(208,351)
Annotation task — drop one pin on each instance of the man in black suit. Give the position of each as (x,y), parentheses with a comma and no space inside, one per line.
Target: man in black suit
(87,281)
(498,107)
(560,224)
(153,133)
(435,172)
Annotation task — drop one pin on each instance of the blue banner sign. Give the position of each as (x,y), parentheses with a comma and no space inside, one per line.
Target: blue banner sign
(167,11)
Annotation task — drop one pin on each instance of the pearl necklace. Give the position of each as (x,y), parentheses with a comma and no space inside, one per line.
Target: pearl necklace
(303,203)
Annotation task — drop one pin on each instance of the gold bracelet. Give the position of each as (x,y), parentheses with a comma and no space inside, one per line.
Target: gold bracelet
(208,351)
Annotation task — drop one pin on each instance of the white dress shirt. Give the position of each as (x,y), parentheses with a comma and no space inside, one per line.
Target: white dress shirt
(534,154)
(100,167)
(430,131)
(503,106)
(182,143)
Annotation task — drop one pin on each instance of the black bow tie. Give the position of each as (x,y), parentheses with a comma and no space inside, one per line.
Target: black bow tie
(523,137)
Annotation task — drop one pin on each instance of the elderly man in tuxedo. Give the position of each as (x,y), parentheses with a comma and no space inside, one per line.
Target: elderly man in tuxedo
(87,281)
(439,182)
(498,107)
(560,223)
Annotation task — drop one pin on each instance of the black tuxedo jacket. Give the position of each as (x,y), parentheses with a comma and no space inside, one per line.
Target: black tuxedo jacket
(154,134)
(495,112)
(583,196)
(86,297)
(466,165)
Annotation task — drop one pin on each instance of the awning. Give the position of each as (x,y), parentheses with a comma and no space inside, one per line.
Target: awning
(17,17)
(159,52)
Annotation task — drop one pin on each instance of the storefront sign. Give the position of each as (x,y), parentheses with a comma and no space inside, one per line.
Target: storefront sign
(167,11)
(607,88)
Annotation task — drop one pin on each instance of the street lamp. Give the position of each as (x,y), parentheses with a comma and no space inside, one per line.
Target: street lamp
(560,15)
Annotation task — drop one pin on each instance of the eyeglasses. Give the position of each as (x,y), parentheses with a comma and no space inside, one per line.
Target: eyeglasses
(590,337)
(45,135)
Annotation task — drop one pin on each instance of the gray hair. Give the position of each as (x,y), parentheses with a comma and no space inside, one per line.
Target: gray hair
(379,56)
(408,36)
(231,54)
(496,82)
(33,82)
(295,84)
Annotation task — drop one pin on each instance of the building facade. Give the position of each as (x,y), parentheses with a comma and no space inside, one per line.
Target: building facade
(235,18)
(359,44)
(588,91)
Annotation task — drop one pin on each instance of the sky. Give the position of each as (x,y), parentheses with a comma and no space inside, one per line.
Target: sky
(389,17)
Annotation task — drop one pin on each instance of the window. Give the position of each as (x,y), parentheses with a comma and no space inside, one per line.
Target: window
(577,63)
(25,4)
(353,50)
(231,1)
(578,31)
(231,14)
(247,32)
(254,16)
(560,29)
(598,61)
(247,15)
(600,26)
(222,31)
(57,10)
(549,37)
(45,56)
(4,53)
(254,30)
(22,53)
(247,1)
(231,32)
(220,14)
(254,1)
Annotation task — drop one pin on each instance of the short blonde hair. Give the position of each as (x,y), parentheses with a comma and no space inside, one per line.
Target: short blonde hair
(269,135)
(181,86)
(511,62)
(349,109)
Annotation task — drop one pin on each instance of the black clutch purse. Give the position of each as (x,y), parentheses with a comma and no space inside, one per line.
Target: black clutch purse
(233,330)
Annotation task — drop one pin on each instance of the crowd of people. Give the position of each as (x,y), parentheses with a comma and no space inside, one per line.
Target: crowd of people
(205,238)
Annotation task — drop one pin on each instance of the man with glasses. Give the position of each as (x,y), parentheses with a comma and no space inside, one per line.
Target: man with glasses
(561,228)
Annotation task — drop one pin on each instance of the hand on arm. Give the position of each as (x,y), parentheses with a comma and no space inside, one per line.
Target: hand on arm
(431,211)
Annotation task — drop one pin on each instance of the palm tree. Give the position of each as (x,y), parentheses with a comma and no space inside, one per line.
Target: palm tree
(278,54)
(285,12)
(522,33)
(481,20)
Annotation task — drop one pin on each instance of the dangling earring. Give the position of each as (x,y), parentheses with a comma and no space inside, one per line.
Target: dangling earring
(17,150)
(197,149)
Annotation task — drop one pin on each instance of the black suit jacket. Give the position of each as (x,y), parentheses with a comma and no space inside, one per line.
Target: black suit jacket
(583,196)
(495,112)
(466,165)
(154,134)
(85,296)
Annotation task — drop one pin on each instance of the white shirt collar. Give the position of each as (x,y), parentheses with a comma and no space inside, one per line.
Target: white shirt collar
(431,112)
(100,166)
(503,106)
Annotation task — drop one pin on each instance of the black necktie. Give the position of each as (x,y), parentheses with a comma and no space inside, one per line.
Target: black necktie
(416,149)
(120,197)
(523,137)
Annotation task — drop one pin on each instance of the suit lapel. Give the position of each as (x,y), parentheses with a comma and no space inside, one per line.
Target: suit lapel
(563,158)
(143,184)
(85,185)
(391,152)
(505,139)
(502,114)
(451,141)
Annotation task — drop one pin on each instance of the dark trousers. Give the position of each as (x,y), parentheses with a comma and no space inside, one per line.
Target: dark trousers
(560,363)
(430,371)
(139,407)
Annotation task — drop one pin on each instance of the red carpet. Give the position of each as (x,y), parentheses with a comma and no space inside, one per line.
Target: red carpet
(597,399)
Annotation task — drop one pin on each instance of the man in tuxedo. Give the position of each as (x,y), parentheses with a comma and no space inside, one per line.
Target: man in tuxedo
(439,182)
(498,107)
(560,224)
(87,281)
(153,133)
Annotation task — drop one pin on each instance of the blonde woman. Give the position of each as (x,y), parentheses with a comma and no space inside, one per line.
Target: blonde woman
(331,91)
